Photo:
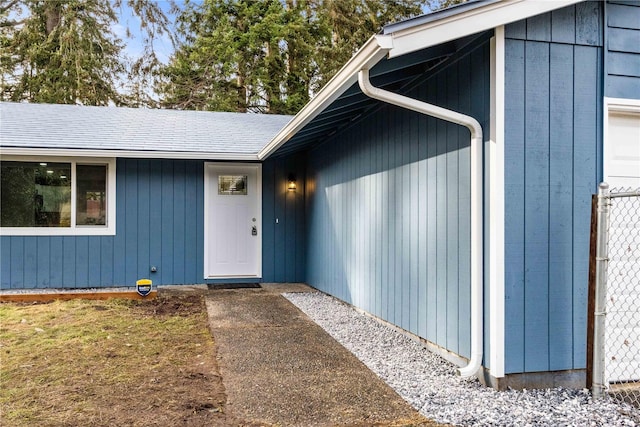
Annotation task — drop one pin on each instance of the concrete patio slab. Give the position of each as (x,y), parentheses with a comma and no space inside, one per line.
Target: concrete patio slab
(280,368)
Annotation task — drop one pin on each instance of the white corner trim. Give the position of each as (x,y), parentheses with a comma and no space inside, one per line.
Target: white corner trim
(74,230)
(476,20)
(369,54)
(384,41)
(496,208)
(70,152)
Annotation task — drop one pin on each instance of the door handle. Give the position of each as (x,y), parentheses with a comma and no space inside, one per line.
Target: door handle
(254,231)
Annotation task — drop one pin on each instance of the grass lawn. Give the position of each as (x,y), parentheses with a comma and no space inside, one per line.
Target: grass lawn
(109,363)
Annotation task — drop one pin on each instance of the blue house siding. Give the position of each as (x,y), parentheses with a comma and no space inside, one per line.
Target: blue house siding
(160,222)
(389,209)
(622,53)
(553,113)
(284,241)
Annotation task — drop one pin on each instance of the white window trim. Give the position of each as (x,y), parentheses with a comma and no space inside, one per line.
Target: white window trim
(614,106)
(74,230)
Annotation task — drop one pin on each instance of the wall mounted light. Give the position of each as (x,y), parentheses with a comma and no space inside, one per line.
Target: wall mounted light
(291,183)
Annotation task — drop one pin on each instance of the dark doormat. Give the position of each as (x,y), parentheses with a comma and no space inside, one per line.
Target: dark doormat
(215,286)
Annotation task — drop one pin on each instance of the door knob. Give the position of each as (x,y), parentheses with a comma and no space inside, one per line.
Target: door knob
(254,231)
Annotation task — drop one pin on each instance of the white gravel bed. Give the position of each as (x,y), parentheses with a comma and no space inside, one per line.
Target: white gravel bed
(430,384)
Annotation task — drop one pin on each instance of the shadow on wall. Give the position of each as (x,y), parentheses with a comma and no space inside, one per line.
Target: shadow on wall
(389,216)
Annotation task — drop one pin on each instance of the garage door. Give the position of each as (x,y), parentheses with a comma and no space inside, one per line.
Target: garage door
(622,172)
(622,148)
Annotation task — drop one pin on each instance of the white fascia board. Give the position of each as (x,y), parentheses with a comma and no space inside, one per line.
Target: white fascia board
(369,54)
(67,152)
(476,20)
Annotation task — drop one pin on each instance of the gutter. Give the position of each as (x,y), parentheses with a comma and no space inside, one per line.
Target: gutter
(474,127)
(143,154)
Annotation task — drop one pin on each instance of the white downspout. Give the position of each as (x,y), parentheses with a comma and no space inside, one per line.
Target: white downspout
(476,203)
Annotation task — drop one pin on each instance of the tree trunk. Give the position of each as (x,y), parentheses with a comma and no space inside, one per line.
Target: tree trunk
(268,90)
(53,15)
(242,91)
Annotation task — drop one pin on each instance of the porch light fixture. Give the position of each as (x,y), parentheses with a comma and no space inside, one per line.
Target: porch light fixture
(291,185)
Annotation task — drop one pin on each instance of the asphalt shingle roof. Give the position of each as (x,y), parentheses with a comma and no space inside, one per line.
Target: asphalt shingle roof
(132,129)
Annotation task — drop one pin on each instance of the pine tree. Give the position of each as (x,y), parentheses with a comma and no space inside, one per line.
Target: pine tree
(230,59)
(65,51)
(268,56)
(351,23)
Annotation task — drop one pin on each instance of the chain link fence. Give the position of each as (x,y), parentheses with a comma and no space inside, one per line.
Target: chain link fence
(617,310)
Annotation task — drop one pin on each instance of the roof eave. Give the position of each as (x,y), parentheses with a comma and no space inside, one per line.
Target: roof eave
(138,154)
(481,17)
(369,54)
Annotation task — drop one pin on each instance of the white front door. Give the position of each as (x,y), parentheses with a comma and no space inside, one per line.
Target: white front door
(233,220)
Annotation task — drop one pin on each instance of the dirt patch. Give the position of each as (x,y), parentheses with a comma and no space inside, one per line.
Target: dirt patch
(141,363)
(110,363)
(171,305)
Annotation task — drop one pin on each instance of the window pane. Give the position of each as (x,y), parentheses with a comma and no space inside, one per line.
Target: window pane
(232,185)
(91,194)
(35,194)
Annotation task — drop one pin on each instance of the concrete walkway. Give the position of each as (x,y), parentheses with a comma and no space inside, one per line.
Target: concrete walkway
(280,368)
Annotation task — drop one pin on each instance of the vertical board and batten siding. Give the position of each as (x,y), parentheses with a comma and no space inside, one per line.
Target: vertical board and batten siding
(160,222)
(283,243)
(388,212)
(622,53)
(159,211)
(553,130)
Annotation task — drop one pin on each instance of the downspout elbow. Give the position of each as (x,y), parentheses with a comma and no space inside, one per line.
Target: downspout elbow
(474,365)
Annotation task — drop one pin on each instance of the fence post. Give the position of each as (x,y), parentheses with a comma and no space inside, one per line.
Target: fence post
(598,386)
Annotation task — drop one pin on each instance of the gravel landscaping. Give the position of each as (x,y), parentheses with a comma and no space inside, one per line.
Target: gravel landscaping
(430,384)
